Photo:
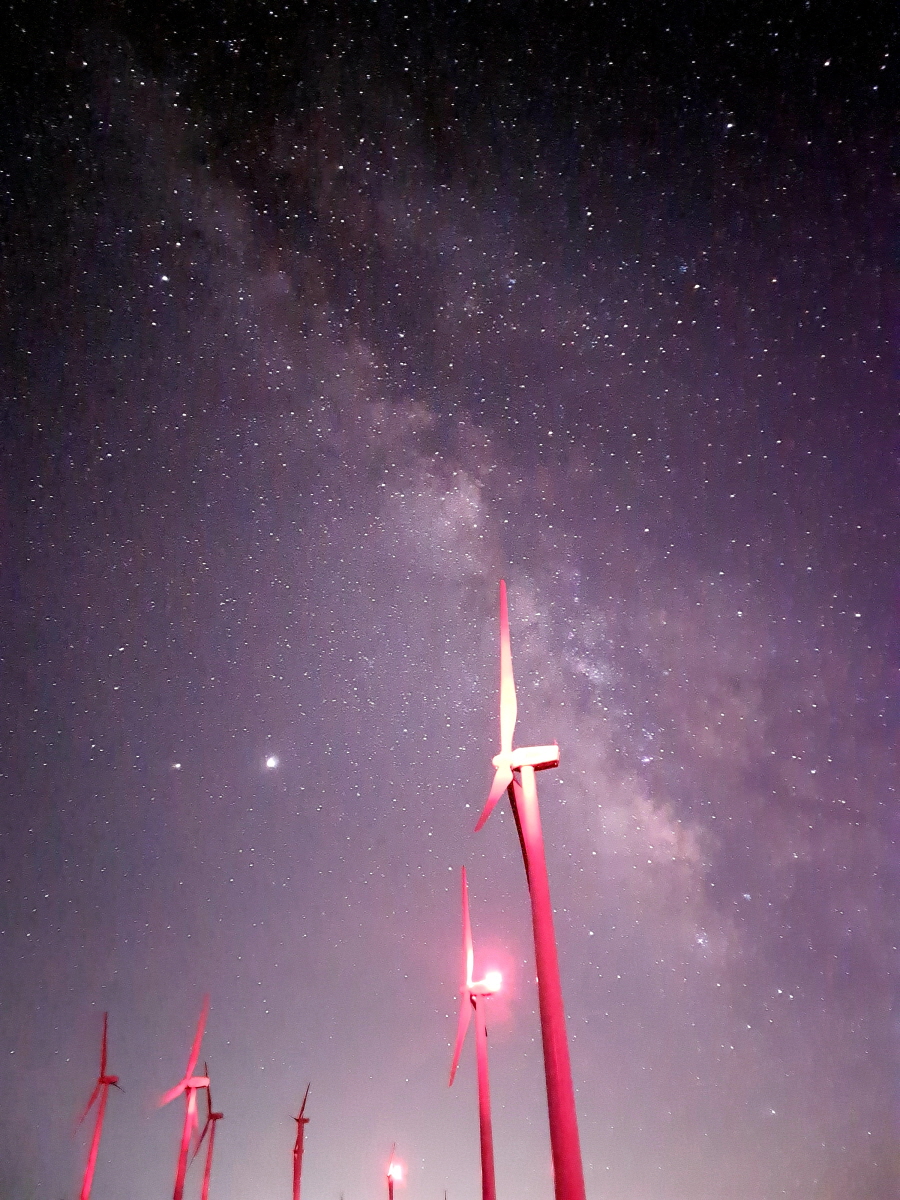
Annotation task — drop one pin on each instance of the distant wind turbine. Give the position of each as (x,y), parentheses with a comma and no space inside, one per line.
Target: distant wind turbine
(302,1122)
(212,1119)
(189,1085)
(474,993)
(564,1140)
(100,1093)
(394,1172)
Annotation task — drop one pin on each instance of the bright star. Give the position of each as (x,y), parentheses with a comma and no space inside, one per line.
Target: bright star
(271,762)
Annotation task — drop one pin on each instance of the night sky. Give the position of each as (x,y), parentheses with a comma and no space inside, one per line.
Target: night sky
(317,322)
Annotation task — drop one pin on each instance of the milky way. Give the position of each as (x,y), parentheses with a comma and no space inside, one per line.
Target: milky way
(316,330)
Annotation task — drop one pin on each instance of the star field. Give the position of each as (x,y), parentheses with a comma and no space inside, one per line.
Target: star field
(316,325)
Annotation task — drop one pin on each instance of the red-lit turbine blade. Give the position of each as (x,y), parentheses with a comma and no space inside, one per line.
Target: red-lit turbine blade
(192,1121)
(209,1107)
(467,931)
(171,1094)
(103,1046)
(508,707)
(502,779)
(200,1138)
(465,1014)
(195,1049)
(305,1094)
(90,1104)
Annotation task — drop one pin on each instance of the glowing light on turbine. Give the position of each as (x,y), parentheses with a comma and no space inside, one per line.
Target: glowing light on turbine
(395,1172)
(493,982)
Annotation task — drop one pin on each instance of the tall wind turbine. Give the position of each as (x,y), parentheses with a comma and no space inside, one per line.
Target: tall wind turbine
(474,993)
(564,1140)
(212,1118)
(189,1085)
(100,1092)
(302,1122)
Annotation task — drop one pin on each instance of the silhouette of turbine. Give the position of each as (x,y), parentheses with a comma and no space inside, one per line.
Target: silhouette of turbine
(100,1093)
(564,1140)
(189,1085)
(474,993)
(302,1122)
(212,1119)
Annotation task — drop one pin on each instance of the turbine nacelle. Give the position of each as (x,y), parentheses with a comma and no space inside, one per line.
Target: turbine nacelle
(489,986)
(538,757)
(192,1084)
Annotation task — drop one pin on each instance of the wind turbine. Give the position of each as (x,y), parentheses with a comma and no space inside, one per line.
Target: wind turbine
(564,1140)
(210,1127)
(190,1085)
(298,1144)
(394,1173)
(474,992)
(100,1092)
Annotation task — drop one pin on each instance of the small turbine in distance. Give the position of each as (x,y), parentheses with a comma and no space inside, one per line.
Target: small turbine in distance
(189,1085)
(212,1118)
(474,992)
(100,1092)
(394,1172)
(302,1122)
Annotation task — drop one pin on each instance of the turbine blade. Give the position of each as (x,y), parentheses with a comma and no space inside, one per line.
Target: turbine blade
(209,1106)
(502,780)
(200,1138)
(198,1038)
(508,706)
(468,949)
(171,1094)
(465,1014)
(305,1094)
(192,1121)
(90,1104)
(103,1045)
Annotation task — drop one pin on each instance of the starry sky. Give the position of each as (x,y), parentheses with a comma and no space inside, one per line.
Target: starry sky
(317,322)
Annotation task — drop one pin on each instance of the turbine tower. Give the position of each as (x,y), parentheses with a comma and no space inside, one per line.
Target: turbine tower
(212,1118)
(394,1172)
(100,1092)
(302,1122)
(565,1145)
(474,993)
(189,1085)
